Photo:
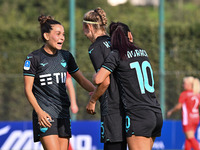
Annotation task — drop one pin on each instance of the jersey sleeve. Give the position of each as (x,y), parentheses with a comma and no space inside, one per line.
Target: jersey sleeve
(112,61)
(30,65)
(182,97)
(72,66)
(98,55)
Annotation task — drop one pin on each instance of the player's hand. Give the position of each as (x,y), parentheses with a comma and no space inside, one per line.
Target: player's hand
(169,113)
(74,109)
(44,119)
(91,107)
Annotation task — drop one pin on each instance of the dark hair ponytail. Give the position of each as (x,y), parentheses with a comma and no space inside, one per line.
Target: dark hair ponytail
(119,38)
(46,23)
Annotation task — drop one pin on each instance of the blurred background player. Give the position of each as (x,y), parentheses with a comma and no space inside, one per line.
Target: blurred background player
(112,114)
(189,101)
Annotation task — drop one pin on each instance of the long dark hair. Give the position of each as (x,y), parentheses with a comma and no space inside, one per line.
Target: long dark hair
(119,38)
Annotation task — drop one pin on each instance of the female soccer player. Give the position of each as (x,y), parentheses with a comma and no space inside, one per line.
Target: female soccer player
(112,115)
(44,79)
(136,83)
(189,101)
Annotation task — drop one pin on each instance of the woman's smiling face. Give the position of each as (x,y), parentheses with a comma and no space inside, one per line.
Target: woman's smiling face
(56,37)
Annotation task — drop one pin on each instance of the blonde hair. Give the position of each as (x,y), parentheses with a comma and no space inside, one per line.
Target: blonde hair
(195,83)
(97,18)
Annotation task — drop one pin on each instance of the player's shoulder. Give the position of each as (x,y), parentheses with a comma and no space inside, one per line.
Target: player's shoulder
(102,44)
(102,41)
(34,54)
(62,51)
(37,52)
(184,92)
(65,54)
(187,93)
(115,52)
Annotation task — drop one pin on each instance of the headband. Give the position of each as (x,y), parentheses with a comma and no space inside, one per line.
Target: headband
(90,22)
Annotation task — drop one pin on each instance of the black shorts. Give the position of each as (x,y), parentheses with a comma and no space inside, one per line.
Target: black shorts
(144,122)
(60,127)
(113,128)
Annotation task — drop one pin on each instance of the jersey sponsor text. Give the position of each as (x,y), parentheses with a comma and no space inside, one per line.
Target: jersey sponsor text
(46,79)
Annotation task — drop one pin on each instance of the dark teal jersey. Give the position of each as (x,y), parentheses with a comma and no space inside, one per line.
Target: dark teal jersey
(49,72)
(135,77)
(110,100)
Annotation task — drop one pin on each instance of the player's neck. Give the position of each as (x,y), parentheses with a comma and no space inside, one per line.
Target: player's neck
(49,49)
(98,34)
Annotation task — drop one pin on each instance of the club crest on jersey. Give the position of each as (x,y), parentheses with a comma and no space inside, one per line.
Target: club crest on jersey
(63,63)
(27,65)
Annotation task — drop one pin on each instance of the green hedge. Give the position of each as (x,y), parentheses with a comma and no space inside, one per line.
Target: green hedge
(20,35)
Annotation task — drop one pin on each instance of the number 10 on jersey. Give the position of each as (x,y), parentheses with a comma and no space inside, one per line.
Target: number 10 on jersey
(142,76)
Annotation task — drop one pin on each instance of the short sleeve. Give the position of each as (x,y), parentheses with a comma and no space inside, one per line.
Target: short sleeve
(30,65)
(72,66)
(112,61)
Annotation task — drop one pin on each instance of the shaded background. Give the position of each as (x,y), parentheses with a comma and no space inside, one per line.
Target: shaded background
(20,35)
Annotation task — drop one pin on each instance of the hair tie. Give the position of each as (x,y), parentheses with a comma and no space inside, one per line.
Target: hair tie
(99,16)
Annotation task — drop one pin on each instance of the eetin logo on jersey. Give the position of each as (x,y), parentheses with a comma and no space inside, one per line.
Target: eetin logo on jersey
(27,65)
(47,79)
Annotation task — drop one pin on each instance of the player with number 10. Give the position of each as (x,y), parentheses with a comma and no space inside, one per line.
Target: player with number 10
(135,78)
